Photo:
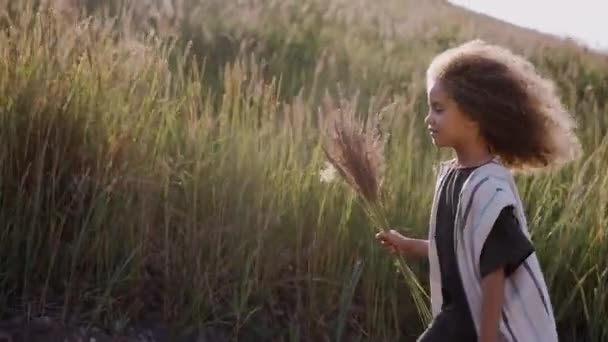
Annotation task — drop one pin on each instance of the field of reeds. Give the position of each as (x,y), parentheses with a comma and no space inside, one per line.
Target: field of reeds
(162,159)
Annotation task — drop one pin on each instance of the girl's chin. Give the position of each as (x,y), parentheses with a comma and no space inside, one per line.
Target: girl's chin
(437,142)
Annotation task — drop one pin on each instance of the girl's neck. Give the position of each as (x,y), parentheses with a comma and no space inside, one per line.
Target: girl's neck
(472,155)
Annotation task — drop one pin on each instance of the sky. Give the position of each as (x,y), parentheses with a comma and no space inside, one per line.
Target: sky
(584,20)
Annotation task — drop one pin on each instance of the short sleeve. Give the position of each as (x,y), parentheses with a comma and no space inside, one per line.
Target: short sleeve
(506,246)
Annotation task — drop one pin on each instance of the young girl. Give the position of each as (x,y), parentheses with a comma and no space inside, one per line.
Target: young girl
(498,115)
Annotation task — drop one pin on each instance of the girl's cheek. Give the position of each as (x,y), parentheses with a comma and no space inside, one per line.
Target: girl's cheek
(439,121)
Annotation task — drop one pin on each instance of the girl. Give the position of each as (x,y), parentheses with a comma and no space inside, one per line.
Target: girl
(498,115)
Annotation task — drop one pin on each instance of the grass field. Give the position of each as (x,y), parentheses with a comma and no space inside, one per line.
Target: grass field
(176,174)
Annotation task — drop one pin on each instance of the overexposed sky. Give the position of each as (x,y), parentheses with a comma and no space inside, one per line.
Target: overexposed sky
(584,20)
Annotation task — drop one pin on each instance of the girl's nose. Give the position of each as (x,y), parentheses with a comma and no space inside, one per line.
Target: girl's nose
(427,118)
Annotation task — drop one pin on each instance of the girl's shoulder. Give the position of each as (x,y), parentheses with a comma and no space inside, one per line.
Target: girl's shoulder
(494,171)
(489,178)
(494,168)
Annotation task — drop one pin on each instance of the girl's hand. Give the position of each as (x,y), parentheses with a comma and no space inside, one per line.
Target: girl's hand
(392,241)
(396,243)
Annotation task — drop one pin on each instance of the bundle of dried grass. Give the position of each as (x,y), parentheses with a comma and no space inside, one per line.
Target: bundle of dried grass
(356,151)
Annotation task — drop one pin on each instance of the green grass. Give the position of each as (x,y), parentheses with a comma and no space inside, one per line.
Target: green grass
(146,175)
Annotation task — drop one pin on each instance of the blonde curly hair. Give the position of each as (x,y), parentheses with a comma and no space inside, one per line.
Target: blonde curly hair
(519,112)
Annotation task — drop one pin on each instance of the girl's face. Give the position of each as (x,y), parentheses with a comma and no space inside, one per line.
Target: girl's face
(446,123)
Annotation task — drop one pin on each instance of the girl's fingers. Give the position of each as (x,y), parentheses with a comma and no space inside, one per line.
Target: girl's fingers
(386,242)
(389,246)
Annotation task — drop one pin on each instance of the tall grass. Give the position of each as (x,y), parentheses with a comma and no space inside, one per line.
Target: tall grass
(145,176)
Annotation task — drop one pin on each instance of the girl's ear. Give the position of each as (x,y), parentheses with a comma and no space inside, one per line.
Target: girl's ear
(474,126)
(479,132)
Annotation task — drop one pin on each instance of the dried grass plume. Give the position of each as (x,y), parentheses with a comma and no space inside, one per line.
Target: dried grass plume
(356,151)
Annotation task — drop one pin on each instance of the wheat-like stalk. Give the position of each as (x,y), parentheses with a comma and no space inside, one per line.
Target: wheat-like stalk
(356,151)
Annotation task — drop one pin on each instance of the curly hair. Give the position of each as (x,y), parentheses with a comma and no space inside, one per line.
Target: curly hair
(519,112)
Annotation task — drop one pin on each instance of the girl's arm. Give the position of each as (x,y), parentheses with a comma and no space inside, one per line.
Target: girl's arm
(493,288)
(416,247)
(397,243)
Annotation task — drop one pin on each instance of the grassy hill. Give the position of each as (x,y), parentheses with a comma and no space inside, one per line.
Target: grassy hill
(174,173)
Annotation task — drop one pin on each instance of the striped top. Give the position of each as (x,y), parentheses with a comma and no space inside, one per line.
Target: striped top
(527,314)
